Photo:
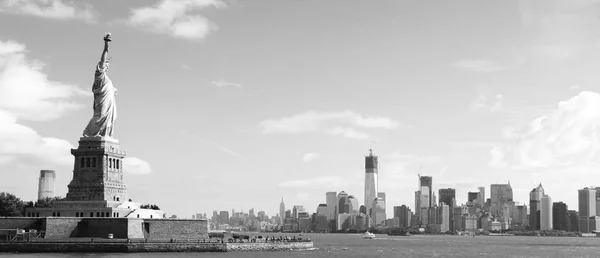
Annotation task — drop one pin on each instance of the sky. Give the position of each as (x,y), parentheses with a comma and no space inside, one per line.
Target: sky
(226,104)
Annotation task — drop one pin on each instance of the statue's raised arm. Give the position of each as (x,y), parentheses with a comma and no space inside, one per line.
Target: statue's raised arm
(105,108)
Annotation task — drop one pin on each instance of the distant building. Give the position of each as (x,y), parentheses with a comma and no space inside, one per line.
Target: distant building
(378,212)
(322,218)
(331,198)
(224,217)
(46,184)
(587,209)
(282,211)
(353,206)
(535,197)
(444,214)
(546,213)
(500,195)
(473,197)
(560,216)
(447,196)
(573,221)
(296,210)
(404,216)
(371,184)
(481,196)
(342,203)
(426,199)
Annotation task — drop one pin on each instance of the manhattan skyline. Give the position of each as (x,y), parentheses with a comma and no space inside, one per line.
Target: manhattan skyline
(280,99)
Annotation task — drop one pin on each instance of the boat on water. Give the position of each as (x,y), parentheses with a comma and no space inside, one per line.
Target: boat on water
(368,235)
(399,233)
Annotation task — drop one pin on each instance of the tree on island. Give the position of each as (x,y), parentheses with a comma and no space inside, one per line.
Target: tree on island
(10,205)
(47,202)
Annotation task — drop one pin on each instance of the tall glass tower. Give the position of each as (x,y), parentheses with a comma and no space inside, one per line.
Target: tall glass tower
(370,180)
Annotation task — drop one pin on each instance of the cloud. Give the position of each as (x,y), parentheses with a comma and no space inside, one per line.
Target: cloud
(135,165)
(569,136)
(333,123)
(26,91)
(481,103)
(19,141)
(185,67)
(311,156)
(323,181)
(50,9)
(481,65)
(176,18)
(226,84)
(27,94)
(574,87)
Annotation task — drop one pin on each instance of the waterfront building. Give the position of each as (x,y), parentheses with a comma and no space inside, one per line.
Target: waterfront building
(469,223)
(535,197)
(288,214)
(573,221)
(46,184)
(587,209)
(378,211)
(331,198)
(457,213)
(546,213)
(349,221)
(282,211)
(352,203)
(560,216)
(342,203)
(500,195)
(444,218)
(404,215)
(322,218)
(520,218)
(371,184)
(382,196)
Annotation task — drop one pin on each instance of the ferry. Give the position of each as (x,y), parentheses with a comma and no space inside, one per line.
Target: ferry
(368,235)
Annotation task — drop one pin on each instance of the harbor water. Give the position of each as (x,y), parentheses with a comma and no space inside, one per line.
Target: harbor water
(353,245)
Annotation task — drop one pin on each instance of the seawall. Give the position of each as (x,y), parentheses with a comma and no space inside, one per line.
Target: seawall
(107,247)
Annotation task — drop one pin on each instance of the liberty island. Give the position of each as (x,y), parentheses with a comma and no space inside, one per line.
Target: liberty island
(98,207)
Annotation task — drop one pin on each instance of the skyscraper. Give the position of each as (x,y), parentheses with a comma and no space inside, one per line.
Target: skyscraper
(535,197)
(371,171)
(447,195)
(481,195)
(353,206)
(282,212)
(587,209)
(546,213)
(426,199)
(560,216)
(378,211)
(46,184)
(330,201)
(500,195)
(342,203)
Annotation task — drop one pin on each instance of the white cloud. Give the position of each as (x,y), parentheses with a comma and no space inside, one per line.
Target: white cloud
(23,142)
(569,136)
(311,156)
(574,87)
(481,102)
(226,84)
(25,90)
(333,123)
(135,165)
(51,9)
(27,94)
(177,18)
(481,65)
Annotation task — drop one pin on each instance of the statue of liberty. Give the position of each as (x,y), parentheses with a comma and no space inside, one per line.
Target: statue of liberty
(105,109)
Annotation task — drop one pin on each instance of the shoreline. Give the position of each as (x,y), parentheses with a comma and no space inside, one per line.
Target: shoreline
(140,247)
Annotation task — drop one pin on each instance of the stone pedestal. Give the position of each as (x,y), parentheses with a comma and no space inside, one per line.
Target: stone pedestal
(98,172)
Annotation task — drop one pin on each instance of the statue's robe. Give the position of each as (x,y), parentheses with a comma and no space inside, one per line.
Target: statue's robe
(105,108)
